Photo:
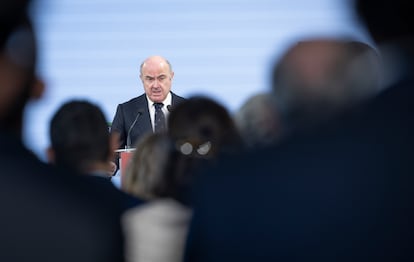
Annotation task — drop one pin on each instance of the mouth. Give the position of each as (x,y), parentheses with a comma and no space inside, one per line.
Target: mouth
(156,91)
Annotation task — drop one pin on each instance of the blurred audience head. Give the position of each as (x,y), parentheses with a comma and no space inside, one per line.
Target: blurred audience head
(318,78)
(158,170)
(203,127)
(18,83)
(79,137)
(258,121)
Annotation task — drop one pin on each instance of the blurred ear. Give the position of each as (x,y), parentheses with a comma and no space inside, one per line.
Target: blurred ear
(38,88)
(50,154)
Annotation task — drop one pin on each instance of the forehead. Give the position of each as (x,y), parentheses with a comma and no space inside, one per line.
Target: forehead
(155,67)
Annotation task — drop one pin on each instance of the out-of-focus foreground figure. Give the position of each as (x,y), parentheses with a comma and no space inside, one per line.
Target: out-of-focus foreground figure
(160,173)
(339,192)
(319,78)
(47,214)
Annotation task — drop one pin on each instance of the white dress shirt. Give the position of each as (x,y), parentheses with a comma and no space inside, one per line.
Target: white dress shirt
(151,108)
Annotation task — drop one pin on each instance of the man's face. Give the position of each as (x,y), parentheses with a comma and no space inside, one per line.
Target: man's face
(156,77)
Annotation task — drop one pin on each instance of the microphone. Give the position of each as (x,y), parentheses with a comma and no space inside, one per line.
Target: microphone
(169,108)
(128,143)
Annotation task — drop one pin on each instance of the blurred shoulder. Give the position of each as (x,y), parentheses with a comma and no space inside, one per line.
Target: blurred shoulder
(162,211)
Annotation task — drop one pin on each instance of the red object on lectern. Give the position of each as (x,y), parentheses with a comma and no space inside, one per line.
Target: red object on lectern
(124,159)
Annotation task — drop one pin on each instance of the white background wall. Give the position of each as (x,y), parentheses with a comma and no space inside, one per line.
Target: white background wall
(221,48)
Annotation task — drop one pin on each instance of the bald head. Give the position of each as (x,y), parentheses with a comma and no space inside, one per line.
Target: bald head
(157,61)
(318,77)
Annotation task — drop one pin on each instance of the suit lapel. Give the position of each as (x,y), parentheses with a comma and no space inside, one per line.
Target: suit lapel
(143,124)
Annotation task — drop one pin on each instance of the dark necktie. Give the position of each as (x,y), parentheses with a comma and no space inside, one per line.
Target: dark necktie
(159,125)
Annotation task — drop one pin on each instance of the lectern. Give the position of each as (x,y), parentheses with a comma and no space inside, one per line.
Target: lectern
(124,159)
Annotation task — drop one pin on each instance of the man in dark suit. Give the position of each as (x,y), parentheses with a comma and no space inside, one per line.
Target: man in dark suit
(46,215)
(343,192)
(136,117)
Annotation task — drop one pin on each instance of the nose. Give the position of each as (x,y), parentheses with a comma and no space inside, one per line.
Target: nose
(155,83)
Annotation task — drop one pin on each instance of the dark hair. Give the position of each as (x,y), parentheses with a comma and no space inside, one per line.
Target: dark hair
(79,135)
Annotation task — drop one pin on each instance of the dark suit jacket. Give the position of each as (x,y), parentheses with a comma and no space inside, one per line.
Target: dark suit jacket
(121,198)
(48,215)
(127,112)
(342,193)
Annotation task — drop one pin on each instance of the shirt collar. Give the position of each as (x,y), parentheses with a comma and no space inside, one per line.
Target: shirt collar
(167,101)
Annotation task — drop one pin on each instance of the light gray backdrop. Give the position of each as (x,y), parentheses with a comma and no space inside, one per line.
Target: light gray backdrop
(221,48)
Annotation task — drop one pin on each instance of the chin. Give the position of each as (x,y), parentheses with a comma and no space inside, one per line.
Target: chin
(157,99)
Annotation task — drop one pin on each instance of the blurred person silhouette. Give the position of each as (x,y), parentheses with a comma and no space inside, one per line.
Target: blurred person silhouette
(138,116)
(81,143)
(319,78)
(258,121)
(160,173)
(340,192)
(198,127)
(47,215)
(204,127)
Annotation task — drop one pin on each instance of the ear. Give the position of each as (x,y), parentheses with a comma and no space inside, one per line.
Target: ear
(38,88)
(172,75)
(50,154)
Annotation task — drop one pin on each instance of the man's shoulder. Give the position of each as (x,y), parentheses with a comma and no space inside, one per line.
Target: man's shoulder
(136,100)
(177,98)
